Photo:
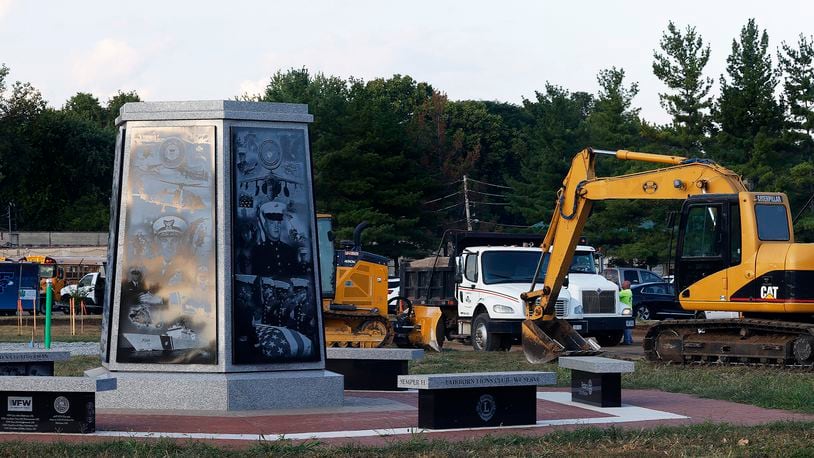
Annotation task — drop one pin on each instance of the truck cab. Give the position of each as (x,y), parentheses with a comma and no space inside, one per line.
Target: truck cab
(477,279)
(493,278)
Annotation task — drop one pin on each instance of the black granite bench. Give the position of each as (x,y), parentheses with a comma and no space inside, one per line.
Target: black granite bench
(596,380)
(50,404)
(477,399)
(371,368)
(30,362)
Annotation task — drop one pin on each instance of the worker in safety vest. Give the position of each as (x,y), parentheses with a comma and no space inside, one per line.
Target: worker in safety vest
(626,297)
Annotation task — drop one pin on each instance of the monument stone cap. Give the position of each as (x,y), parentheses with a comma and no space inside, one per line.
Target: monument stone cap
(214,109)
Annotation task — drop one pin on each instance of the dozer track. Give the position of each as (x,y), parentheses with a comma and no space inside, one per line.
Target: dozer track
(750,342)
(363,331)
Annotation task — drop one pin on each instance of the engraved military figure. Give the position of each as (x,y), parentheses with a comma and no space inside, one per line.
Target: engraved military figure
(273,257)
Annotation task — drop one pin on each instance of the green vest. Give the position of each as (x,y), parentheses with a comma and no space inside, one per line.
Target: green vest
(626,297)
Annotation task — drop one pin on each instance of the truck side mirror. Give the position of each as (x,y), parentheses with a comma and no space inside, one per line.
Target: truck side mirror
(459,277)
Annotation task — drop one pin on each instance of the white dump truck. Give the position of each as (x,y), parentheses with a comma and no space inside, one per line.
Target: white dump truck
(477,279)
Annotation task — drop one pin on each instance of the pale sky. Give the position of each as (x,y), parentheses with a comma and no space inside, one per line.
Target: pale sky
(488,50)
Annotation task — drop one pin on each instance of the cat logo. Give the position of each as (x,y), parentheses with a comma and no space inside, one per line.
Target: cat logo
(768,292)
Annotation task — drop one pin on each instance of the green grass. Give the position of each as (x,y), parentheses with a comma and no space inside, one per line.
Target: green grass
(764,387)
(76,366)
(786,439)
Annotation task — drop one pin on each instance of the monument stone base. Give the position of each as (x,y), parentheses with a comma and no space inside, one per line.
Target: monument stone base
(230,391)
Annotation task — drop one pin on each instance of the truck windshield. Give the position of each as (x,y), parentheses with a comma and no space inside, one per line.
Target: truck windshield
(510,266)
(583,263)
(518,266)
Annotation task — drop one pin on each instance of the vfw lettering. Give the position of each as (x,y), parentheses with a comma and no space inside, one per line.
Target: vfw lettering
(19,404)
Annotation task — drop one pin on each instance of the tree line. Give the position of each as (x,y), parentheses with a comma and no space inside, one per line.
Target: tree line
(394,151)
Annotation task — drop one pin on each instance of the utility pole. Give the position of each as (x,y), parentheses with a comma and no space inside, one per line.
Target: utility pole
(466,206)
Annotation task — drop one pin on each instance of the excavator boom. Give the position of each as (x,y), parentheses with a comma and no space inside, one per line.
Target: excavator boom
(544,337)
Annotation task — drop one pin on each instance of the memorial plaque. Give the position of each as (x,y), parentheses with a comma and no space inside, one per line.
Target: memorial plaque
(47,412)
(601,390)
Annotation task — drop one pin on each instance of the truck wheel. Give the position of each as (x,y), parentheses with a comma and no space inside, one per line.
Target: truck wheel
(482,340)
(644,313)
(610,339)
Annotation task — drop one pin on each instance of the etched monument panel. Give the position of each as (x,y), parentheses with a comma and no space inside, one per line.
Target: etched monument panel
(275,306)
(167,308)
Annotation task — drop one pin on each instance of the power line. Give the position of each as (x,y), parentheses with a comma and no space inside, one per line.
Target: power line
(489,184)
(487,193)
(491,203)
(451,206)
(442,198)
(514,225)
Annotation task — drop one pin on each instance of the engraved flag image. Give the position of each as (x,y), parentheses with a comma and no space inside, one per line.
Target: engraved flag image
(282,343)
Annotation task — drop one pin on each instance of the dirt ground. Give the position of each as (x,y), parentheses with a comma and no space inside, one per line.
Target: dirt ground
(626,352)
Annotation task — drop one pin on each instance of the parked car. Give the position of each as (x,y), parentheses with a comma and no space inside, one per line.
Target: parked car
(656,301)
(633,275)
(90,289)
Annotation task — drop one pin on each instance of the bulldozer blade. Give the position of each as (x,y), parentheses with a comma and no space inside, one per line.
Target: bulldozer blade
(426,319)
(547,340)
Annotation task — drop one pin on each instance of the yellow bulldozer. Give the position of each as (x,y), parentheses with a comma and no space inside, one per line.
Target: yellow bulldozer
(735,251)
(355,307)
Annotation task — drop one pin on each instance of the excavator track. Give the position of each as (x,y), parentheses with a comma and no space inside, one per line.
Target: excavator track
(736,342)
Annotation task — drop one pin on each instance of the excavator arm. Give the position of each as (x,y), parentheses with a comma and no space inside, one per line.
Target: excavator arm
(544,336)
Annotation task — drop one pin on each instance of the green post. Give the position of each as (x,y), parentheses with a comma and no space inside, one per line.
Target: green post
(49,297)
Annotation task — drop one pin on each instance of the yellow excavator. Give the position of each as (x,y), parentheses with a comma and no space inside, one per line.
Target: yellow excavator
(735,252)
(355,307)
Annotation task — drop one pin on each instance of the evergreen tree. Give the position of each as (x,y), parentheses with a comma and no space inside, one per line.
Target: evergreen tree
(613,122)
(797,65)
(680,66)
(747,106)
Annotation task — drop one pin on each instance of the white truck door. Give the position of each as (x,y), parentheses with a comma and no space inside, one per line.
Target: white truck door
(467,296)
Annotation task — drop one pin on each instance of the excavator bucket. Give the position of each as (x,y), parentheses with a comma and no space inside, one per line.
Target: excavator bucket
(547,340)
(425,334)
